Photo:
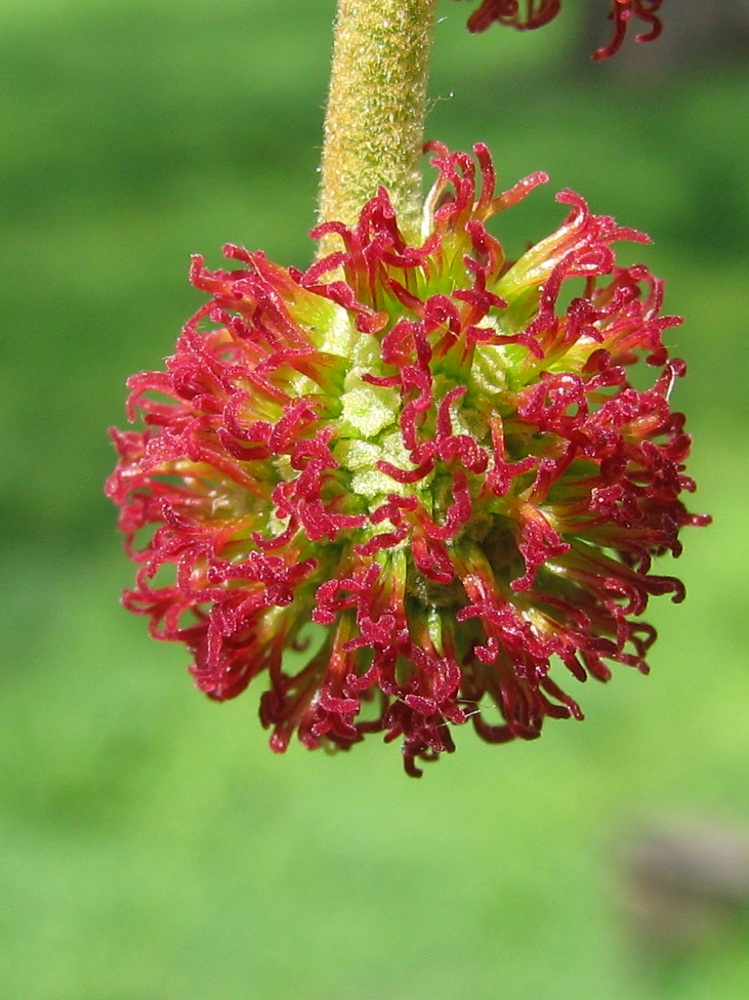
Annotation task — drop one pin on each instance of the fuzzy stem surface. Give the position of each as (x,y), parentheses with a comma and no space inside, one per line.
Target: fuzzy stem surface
(374,125)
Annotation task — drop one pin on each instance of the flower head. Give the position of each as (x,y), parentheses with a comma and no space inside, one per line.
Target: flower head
(432,453)
(536,13)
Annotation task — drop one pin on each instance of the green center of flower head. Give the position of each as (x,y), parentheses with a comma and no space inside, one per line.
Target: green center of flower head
(379,434)
(433,454)
(368,430)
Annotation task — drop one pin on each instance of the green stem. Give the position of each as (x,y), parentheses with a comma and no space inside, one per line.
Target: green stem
(374,126)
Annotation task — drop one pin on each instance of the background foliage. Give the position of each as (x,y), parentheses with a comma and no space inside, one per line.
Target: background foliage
(152,847)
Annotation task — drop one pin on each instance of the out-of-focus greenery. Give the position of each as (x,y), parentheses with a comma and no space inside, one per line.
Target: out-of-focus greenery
(152,848)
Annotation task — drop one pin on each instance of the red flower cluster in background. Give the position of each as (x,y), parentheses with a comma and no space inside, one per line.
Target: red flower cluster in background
(536,13)
(397,487)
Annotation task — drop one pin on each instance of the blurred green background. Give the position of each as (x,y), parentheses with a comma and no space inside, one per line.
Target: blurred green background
(151,847)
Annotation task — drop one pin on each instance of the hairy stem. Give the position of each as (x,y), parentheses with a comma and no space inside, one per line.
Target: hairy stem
(374,126)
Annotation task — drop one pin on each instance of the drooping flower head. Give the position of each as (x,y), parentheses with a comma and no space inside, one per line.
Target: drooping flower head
(421,472)
(528,14)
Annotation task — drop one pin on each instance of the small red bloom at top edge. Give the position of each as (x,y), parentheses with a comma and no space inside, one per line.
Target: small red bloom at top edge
(536,13)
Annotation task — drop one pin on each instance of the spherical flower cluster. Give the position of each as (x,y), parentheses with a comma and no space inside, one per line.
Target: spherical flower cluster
(398,486)
(537,13)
